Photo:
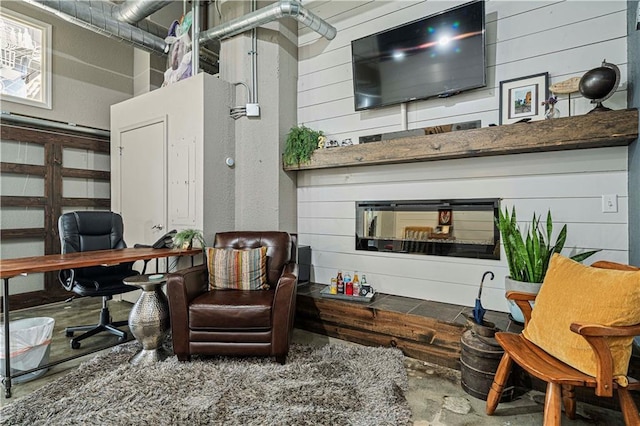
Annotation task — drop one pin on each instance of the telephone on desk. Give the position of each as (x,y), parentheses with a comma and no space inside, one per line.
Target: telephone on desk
(166,241)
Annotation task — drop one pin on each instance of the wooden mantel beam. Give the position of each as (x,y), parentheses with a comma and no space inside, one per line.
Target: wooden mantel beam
(596,130)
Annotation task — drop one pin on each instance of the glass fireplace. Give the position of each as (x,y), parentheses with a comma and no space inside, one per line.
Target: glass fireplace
(458,228)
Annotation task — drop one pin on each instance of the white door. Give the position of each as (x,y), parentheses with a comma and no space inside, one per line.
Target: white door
(143,184)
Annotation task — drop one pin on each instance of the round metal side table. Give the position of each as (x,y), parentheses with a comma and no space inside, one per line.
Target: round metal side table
(149,318)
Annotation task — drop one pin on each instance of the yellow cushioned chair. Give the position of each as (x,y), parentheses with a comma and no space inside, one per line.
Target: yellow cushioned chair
(579,333)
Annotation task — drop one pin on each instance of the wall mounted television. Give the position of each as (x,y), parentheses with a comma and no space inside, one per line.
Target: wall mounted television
(439,55)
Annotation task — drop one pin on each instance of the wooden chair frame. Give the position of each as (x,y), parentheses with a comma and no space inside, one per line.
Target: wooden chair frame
(561,378)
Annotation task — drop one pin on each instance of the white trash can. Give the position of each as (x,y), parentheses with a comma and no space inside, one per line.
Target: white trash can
(29,346)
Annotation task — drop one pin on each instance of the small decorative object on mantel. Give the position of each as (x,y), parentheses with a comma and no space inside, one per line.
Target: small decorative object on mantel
(321,141)
(599,84)
(566,87)
(520,98)
(552,111)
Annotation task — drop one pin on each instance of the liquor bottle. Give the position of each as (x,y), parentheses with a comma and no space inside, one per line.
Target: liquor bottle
(356,284)
(348,285)
(333,289)
(365,288)
(340,283)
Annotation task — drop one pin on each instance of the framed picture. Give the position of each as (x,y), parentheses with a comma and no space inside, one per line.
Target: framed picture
(445,217)
(25,60)
(520,98)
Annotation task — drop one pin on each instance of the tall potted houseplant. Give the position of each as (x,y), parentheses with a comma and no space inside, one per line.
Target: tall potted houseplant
(529,252)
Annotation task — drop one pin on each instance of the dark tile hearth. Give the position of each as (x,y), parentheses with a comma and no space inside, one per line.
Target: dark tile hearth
(394,303)
(446,312)
(442,311)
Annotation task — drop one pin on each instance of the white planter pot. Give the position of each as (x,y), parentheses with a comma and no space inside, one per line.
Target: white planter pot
(513,285)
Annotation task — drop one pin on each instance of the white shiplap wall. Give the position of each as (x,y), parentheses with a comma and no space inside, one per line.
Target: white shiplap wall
(565,39)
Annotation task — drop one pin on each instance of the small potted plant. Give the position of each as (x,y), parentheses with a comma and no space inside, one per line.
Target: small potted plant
(184,239)
(300,144)
(528,254)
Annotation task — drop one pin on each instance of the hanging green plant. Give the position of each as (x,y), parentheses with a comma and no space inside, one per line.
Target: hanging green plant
(300,144)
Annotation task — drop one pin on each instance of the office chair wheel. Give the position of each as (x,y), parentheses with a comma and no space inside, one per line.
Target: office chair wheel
(68,333)
(75,345)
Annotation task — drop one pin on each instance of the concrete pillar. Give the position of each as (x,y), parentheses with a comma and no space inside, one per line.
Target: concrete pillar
(148,71)
(265,194)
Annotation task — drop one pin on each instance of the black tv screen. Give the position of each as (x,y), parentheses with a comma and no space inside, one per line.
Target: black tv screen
(439,55)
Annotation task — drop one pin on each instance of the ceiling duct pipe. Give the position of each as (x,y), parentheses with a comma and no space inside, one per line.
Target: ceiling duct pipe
(94,18)
(132,11)
(98,17)
(267,14)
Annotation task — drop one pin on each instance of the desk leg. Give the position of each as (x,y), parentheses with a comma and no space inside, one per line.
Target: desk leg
(7,350)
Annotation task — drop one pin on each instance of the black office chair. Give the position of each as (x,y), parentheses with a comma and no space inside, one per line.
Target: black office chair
(87,231)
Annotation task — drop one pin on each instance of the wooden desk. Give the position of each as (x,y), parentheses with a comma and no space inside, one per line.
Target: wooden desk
(10,268)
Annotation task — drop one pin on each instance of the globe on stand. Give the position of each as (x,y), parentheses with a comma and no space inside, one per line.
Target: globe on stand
(599,84)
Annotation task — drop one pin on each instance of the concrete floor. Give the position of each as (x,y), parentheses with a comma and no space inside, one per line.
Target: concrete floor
(435,395)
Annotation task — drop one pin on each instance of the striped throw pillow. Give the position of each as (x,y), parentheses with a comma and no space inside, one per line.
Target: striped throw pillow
(237,269)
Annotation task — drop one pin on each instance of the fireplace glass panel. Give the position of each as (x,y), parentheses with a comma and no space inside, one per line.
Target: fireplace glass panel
(457,228)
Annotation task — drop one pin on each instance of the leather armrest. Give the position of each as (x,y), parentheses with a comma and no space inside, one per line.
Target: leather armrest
(188,283)
(284,307)
(182,287)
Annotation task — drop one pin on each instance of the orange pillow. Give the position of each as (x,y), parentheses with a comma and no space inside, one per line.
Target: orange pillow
(573,292)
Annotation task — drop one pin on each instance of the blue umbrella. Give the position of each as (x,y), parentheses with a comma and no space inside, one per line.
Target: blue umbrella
(478,310)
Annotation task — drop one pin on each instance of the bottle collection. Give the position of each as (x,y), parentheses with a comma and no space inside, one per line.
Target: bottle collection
(350,286)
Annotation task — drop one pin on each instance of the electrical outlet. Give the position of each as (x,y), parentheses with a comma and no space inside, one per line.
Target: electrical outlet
(610,203)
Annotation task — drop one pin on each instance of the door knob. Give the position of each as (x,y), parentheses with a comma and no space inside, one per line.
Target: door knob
(158,227)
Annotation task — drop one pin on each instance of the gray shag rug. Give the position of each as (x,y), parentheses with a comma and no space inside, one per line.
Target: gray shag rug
(329,385)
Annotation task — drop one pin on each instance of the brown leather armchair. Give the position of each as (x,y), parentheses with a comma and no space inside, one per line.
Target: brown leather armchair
(236,322)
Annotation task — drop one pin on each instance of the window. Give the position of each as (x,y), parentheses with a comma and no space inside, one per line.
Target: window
(25,60)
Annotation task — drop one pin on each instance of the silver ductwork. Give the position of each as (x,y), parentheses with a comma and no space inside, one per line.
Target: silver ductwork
(115,21)
(132,11)
(267,14)
(96,17)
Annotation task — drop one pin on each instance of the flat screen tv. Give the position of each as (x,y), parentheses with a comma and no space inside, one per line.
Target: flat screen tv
(439,55)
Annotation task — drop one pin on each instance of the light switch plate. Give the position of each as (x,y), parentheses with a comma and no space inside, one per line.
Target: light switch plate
(610,203)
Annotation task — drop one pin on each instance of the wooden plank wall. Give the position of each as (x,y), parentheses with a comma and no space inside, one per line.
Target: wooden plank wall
(523,38)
